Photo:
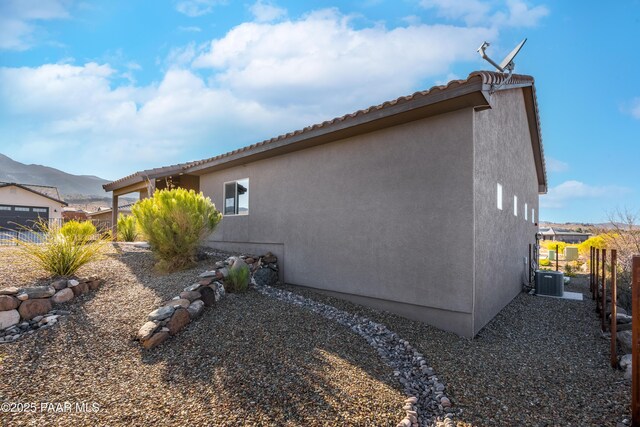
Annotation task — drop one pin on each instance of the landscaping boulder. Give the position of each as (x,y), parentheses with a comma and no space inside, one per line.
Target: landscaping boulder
(624,341)
(622,318)
(155,340)
(191,296)
(36,292)
(161,313)
(94,284)
(7,302)
(9,291)
(194,287)
(8,319)
(184,303)
(79,288)
(59,284)
(178,321)
(208,296)
(147,330)
(238,263)
(206,282)
(206,274)
(269,258)
(265,277)
(219,290)
(195,309)
(34,307)
(62,296)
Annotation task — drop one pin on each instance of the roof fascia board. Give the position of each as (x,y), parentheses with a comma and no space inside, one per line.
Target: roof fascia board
(467,95)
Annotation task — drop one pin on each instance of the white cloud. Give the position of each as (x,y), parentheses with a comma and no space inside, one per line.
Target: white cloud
(559,196)
(266,11)
(63,111)
(194,8)
(322,61)
(555,165)
(515,13)
(18,21)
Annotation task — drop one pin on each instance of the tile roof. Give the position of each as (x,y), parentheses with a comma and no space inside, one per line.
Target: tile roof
(44,190)
(491,81)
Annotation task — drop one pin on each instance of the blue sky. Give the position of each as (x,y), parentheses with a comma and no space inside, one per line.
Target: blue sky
(110,87)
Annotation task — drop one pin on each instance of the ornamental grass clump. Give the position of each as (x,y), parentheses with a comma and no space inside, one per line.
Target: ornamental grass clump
(238,279)
(175,222)
(61,253)
(127,228)
(78,230)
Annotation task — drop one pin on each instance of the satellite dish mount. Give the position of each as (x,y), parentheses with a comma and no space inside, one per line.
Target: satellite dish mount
(506,66)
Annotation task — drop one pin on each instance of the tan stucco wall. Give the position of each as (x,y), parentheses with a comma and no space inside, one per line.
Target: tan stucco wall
(385,217)
(17,196)
(503,154)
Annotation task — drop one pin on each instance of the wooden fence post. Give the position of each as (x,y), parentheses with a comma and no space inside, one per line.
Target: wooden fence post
(593,295)
(635,337)
(603,304)
(557,256)
(595,278)
(614,309)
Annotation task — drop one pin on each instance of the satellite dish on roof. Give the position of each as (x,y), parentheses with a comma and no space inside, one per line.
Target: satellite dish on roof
(507,64)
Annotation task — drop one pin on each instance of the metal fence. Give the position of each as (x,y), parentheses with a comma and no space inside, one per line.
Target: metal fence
(9,236)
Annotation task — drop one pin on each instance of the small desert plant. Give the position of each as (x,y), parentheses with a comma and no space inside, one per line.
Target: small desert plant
(61,254)
(569,270)
(174,222)
(127,228)
(78,230)
(545,262)
(238,279)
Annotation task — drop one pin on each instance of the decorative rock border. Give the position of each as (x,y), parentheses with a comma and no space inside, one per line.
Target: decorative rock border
(426,403)
(25,310)
(175,314)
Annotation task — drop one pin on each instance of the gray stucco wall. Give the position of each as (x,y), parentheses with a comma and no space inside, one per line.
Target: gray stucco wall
(503,154)
(385,218)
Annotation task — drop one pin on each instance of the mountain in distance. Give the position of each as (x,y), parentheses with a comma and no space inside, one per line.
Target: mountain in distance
(68,184)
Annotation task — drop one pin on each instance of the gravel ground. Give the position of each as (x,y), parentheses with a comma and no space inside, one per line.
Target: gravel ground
(250,360)
(540,362)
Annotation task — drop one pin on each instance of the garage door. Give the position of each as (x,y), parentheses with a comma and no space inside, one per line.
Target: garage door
(13,217)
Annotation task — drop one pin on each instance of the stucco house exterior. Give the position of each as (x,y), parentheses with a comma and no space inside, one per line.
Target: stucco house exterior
(23,204)
(423,206)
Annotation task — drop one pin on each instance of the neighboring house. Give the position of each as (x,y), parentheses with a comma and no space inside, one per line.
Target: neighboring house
(75,214)
(563,235)
(102,218)
(424,206)
(21,205)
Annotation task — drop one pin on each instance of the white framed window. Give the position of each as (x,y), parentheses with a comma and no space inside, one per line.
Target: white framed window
(236,197)
(21,209)
(43,210)
(515,205)
(5,208)
(526,212)
(499,196)
(533,215)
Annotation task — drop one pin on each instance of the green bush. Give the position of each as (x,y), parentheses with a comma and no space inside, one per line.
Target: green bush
(174,222)
(127,228)
(544,262)
(62,253)
(78,230)
(238,279)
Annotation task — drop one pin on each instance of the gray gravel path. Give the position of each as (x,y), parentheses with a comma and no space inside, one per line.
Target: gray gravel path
(248,361)
(540,362)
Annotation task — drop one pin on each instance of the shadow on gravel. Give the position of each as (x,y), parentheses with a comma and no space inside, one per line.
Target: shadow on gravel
(269,362)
